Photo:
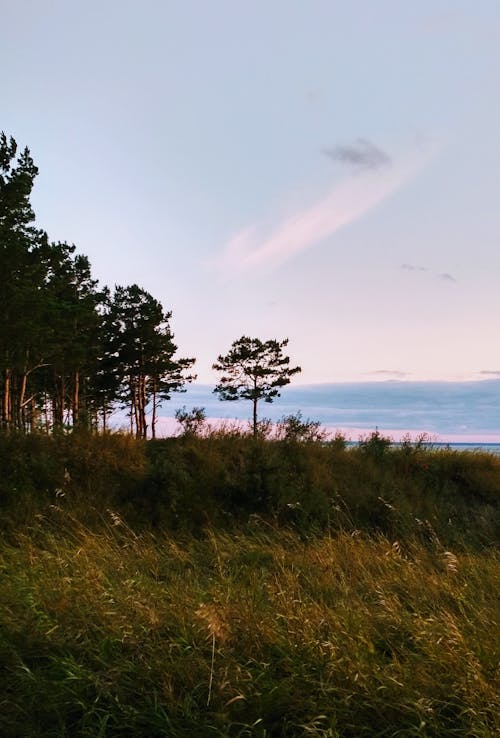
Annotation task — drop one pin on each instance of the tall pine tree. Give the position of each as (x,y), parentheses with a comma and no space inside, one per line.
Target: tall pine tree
(142,349)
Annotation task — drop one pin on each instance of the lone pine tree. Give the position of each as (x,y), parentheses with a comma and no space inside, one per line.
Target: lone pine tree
(254,370)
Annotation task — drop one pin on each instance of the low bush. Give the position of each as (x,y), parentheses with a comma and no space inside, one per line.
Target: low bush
(223,478)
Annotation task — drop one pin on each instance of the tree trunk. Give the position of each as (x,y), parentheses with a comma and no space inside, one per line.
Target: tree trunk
(58,401)
(21,403)
(142,406)
(6,404)
(46,410)
(32,415)
(153,419)
(255,416)
(76,398)
(135,417)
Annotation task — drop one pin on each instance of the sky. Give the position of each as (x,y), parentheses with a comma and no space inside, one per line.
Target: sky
(322,171)
(446,412)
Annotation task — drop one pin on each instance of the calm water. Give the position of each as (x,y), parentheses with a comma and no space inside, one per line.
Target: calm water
(457,411)
(486,448)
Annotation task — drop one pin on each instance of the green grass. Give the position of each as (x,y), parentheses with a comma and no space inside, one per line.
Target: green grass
(256,634)
(376,615)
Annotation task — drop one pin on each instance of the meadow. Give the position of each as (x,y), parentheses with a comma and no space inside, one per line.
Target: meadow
(234,586)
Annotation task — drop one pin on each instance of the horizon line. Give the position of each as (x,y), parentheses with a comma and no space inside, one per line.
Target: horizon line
(327,383)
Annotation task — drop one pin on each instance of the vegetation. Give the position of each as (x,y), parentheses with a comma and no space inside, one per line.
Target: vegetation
(69,350)
(230,585)
(254,370)
(222,582)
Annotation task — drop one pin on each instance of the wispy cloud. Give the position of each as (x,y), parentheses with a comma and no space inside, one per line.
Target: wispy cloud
(360,155)
(445,276)
(313,96)
(490,372)
(389,373)
(252,248)
(413,268)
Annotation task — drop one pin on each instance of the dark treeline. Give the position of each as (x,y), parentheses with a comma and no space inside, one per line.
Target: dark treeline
(70,349)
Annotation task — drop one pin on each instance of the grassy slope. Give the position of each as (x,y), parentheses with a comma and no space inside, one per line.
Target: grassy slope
(364,616)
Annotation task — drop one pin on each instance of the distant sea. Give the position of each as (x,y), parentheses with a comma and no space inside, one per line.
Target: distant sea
(464,414)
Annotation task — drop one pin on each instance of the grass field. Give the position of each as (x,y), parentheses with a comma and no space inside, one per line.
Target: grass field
(265,626)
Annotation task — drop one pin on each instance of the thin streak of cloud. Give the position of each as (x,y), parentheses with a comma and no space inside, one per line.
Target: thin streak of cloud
(360,155)
(313,96)
(447,277)
(390,373)
(413,268)
(490,372)
(344,204)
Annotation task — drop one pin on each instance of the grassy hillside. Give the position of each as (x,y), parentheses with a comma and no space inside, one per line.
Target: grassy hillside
(230,587)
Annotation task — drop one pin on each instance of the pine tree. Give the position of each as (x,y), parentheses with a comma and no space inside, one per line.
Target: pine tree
(254,370)
(142,352)
(22,279)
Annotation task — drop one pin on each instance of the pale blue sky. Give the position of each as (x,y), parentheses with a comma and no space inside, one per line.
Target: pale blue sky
(318,170)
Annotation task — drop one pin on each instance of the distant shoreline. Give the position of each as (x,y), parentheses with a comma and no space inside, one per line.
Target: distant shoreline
(448,412)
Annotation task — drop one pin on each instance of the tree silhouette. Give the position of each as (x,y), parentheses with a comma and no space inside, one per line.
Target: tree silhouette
(142,348)
(254,370)
(69,351)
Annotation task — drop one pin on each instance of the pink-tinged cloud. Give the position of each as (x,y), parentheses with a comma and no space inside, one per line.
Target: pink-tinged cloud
(344,204)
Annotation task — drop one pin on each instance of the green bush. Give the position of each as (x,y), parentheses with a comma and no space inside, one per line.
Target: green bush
(223,478)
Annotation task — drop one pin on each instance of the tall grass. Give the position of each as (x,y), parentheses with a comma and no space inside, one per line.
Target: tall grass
(256,634)
(230,587)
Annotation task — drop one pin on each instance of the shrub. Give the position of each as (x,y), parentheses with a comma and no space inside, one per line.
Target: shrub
(375,445)
(293,428)
(192,421)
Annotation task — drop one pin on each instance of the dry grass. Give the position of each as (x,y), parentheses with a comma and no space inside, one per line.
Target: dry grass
(112,633)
